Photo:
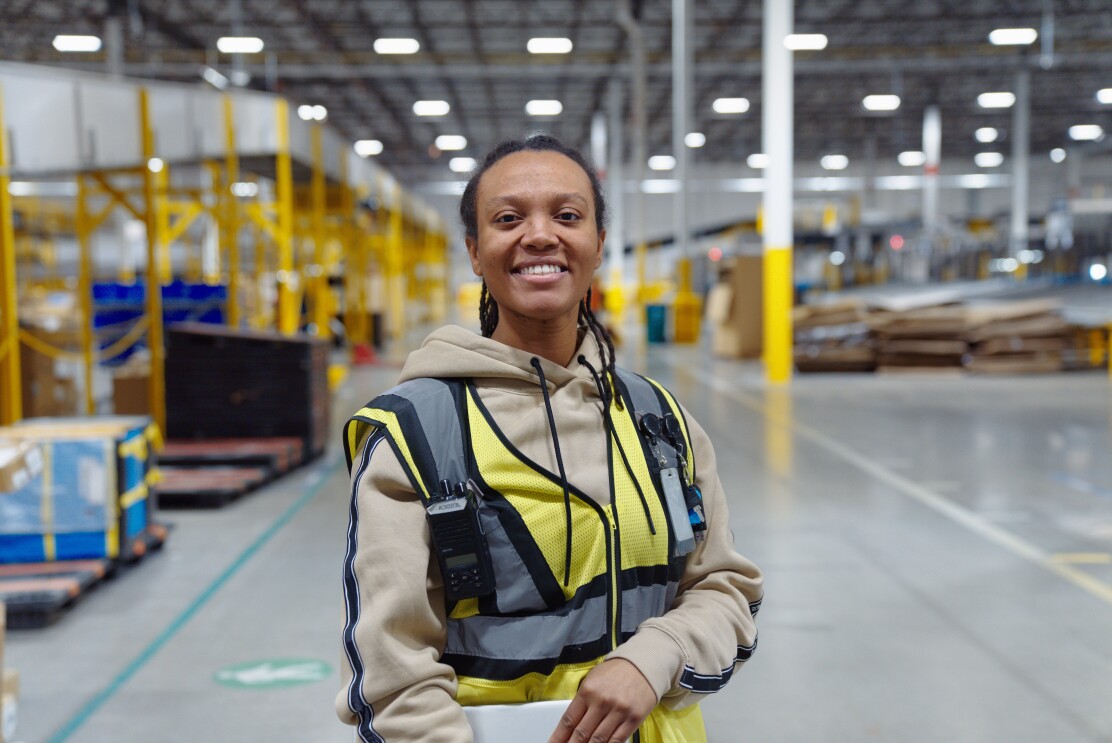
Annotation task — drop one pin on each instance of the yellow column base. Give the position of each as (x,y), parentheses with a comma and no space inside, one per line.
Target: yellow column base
(689,314)
(778,314)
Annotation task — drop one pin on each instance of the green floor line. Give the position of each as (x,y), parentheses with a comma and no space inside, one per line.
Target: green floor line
(82,716)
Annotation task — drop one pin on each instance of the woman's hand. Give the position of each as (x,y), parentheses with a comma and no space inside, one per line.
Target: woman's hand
(612,702)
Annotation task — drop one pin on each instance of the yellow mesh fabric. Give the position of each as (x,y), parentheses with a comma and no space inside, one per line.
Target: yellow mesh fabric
(540,502)
(465,608)
(562,683)
(639,546)
(390,421)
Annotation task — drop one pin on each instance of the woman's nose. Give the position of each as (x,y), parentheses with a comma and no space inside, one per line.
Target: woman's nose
(539,232)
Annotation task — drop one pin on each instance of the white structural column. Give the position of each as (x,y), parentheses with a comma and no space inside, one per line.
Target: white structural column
(681,51)
(1021,151)
(638,105)
(932,150)
(777,133)
(615,179)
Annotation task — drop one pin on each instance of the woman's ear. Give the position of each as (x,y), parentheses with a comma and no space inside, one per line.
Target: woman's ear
(473,254)
(601,243)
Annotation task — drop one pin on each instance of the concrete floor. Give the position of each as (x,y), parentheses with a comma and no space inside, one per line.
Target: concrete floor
(938,556)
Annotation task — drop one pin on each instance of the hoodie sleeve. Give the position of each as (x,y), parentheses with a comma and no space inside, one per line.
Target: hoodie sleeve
(710,630)
(394,690)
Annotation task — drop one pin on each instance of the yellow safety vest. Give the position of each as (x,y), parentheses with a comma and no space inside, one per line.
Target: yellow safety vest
(534,638)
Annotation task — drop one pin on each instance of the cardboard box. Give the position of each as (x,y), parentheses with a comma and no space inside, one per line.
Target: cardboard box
(130,385)
(9,701)
(734,308)
(19,462)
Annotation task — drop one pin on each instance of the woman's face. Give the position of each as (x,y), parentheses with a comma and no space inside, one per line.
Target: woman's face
(538,244)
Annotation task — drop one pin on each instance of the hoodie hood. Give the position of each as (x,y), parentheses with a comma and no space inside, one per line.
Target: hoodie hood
(455,352)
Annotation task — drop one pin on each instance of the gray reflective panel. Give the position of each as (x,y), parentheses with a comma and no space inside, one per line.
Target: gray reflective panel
(514,587)
(527,638)
(644,602)
(436,408)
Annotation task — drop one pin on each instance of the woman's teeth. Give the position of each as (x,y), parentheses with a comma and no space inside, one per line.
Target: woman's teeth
(540,270)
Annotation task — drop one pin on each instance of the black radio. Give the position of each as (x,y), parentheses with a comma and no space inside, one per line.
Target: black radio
(459,542)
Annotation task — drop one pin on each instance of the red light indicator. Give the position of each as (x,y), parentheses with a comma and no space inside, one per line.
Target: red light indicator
(897,242)
(715,254)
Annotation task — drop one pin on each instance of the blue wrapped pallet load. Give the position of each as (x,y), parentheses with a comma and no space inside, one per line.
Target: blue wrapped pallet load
(92,497)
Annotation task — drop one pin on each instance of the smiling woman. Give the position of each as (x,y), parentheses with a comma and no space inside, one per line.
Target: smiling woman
(490,573)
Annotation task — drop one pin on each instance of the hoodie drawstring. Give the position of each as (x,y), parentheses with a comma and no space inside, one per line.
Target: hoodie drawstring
(559,463)
(609,423)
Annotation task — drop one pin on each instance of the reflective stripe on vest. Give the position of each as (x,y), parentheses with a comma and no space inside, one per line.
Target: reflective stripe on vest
(534,638)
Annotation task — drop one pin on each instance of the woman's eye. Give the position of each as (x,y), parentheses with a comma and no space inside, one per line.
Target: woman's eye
(567,216)
(505,218)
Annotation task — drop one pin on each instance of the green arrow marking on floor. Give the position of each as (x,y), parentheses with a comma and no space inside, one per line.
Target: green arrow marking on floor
(269,674)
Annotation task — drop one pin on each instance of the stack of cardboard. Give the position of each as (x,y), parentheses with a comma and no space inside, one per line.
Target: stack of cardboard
(921,340)
(734,309)
(49,381)
(833,337)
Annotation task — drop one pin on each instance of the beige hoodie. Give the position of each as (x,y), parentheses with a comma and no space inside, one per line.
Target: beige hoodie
(401,628)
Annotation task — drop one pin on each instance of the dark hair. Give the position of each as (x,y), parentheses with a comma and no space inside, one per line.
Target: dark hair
(468,214)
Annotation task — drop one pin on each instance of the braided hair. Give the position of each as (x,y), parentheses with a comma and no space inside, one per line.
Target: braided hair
(468,212)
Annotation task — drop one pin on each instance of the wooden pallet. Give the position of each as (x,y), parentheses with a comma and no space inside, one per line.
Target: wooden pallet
(207,487)
(38,594)
(279,455)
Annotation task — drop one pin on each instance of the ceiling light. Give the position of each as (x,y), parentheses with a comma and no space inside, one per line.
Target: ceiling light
(805,42)
(214,78)
(1013,36)
(1086,132)
(450,142)
(245,189)
(695,139)
(544,108)
(730,105)
(996,100)
(461,164)
(988,159)
(155,165)
(834,162)
(240,78)
(662,162)
(368,147)
(397,46)
(881,102)
(239,44)
(1057,154)
(757,160)
(64,43)
(305,112)
(986,134)
(549,45)
(1105,95)
(431,108)
(911,158)
(320,113)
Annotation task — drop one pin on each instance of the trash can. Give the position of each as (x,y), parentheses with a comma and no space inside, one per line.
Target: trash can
(656,320)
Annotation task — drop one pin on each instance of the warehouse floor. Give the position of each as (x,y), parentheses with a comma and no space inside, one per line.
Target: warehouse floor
(938,554)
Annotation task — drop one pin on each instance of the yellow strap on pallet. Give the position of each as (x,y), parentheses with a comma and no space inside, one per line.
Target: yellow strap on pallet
(154,436)
(133,496)
(153,477)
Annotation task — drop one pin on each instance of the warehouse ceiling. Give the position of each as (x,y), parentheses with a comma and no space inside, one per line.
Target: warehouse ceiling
(473,55)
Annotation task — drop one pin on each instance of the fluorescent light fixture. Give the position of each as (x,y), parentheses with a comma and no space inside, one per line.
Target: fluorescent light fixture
(245,189)
(397,46)
(695,139)
(1098,271)
(544,108)
(21,188)
(66,43)
(1104,95)
(986,134)
(320,113)
(988,159)
(239,44)
(1086,132)
(448,142)
(214,78)
(368,147)
(1057,154)
(881,102)
(305,112)
(837,258)
(431,108)
(805,42)
(662,162)
(834,162)
(757,160)
(1013,36)
(660,185)
(549,45)
(461,164)
(996,100)
(911,158)
(155,165)
(730,105)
